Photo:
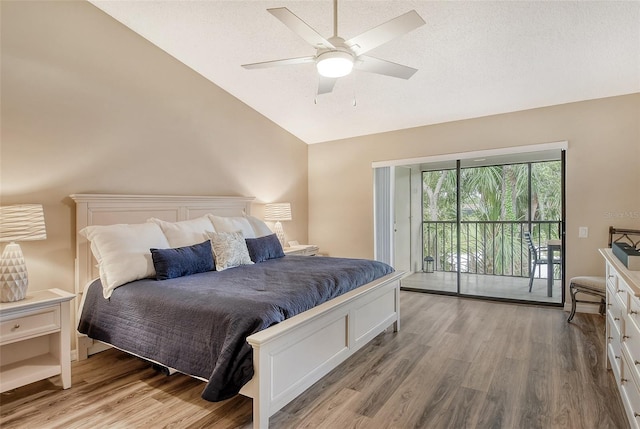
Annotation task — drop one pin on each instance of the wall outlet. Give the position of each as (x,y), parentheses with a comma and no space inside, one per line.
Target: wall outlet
(583,232)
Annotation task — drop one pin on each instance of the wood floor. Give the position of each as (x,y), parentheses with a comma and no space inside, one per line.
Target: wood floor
(456,363)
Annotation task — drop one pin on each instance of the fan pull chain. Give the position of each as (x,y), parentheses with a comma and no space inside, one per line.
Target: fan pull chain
(353,85)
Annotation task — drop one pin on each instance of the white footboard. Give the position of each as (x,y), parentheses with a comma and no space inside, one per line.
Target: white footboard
(292,355)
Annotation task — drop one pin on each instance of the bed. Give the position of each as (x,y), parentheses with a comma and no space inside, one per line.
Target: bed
(288,356)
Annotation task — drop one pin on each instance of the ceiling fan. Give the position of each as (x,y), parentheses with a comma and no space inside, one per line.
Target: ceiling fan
(336,57)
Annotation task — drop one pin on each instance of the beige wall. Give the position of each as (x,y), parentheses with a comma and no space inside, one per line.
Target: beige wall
(602,186)
(89,106)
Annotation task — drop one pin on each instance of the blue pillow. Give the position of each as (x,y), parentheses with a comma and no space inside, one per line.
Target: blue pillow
(264,248)
(182,261)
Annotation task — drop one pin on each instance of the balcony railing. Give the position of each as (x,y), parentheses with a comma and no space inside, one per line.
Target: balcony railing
(486,247)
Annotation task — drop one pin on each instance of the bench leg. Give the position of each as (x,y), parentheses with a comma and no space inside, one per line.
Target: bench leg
(573,303)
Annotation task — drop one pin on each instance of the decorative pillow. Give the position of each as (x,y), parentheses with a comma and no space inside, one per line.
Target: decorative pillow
(185,232)
(182,261)
(233,224)
(229,249)
(122,252)
(259,227)
(264,248)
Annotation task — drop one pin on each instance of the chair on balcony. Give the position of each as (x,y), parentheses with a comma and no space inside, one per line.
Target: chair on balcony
(538,257)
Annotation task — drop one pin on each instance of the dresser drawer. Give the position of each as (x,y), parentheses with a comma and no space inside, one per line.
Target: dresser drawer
(30,325)
(615,316)
(634,308)
(621,297)
(615,359)
(612,279)
(631,341)
(614,351)
(630,396)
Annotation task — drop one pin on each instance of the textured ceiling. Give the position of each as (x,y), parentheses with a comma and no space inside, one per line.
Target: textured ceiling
(474,58)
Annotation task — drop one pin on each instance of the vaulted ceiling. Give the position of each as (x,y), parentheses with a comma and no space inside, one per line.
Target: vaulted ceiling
(473,58)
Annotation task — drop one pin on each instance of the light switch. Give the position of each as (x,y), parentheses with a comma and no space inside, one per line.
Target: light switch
(583,232)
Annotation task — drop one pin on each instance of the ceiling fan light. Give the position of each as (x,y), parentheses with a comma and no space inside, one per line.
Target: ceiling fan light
(334,64)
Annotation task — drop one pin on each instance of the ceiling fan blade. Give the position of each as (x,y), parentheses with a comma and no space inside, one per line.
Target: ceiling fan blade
(385,32)
(300,27)
(387,68)
(326,84)
(276,63)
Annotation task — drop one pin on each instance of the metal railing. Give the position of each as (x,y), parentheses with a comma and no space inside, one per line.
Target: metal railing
(494,248)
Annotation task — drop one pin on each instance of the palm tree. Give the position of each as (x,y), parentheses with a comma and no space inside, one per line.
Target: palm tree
(495,201)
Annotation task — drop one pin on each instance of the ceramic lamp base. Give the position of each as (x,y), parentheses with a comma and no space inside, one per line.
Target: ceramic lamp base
(13,274)
(279,233)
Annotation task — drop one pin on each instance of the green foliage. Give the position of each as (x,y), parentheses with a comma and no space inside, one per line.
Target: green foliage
(495,209)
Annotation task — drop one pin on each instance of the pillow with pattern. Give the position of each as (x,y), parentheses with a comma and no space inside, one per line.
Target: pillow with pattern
(229,249)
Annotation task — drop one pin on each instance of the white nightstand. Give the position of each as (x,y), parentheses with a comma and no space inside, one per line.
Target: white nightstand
(302,250)
(35,339)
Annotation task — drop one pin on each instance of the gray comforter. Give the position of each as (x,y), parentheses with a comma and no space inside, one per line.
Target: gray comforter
(198,324)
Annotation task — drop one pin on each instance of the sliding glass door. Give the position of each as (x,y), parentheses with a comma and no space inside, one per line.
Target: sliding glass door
(476,217)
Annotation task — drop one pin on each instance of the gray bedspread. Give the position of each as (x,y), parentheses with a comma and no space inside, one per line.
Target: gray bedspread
(198,324)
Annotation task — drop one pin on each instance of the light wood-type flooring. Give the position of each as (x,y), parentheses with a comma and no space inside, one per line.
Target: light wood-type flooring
(456,363)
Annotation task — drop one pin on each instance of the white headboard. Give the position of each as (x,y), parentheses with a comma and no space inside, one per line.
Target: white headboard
(106,209)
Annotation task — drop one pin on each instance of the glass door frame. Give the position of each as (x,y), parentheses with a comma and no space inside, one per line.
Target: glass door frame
(557,147)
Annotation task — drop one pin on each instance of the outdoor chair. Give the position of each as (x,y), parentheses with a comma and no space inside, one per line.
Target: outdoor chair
(538,257)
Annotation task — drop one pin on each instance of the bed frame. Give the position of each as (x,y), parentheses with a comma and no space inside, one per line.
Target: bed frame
(288,357)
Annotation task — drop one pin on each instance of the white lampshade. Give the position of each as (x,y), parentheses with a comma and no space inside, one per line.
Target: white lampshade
(18,223)
(334,64)
(277,212)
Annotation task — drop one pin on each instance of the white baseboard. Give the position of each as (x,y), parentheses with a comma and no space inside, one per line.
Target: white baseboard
(584,308)
(74,355)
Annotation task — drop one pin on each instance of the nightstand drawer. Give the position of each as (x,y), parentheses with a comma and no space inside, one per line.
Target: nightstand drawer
(29,325)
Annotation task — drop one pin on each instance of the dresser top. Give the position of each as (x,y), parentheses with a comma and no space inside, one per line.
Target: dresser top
(632,278)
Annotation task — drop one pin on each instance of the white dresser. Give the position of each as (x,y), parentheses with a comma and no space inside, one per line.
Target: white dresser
(623,332)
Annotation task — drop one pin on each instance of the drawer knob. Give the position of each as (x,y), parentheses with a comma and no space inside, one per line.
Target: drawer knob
(610,338)
(634,312)
(623,380)
(619,290)
(624,337)
(636,414)
(637,362)
(616,318)
(610,276)
(16,326)
(617,357)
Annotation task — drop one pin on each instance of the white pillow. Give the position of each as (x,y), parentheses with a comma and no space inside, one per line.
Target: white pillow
(233,224)
(185,232)
(122,252)
(229,250)
(259,227)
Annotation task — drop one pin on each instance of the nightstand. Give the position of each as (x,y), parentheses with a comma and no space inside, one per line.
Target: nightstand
(302,250)
(35,339)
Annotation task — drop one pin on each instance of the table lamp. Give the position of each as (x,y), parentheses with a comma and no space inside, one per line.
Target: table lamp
(18,223)
(277,212)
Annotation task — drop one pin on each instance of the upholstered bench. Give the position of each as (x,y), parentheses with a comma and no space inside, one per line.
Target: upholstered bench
(595,286)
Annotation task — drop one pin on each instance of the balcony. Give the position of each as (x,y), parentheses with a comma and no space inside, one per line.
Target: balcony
(494,260)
